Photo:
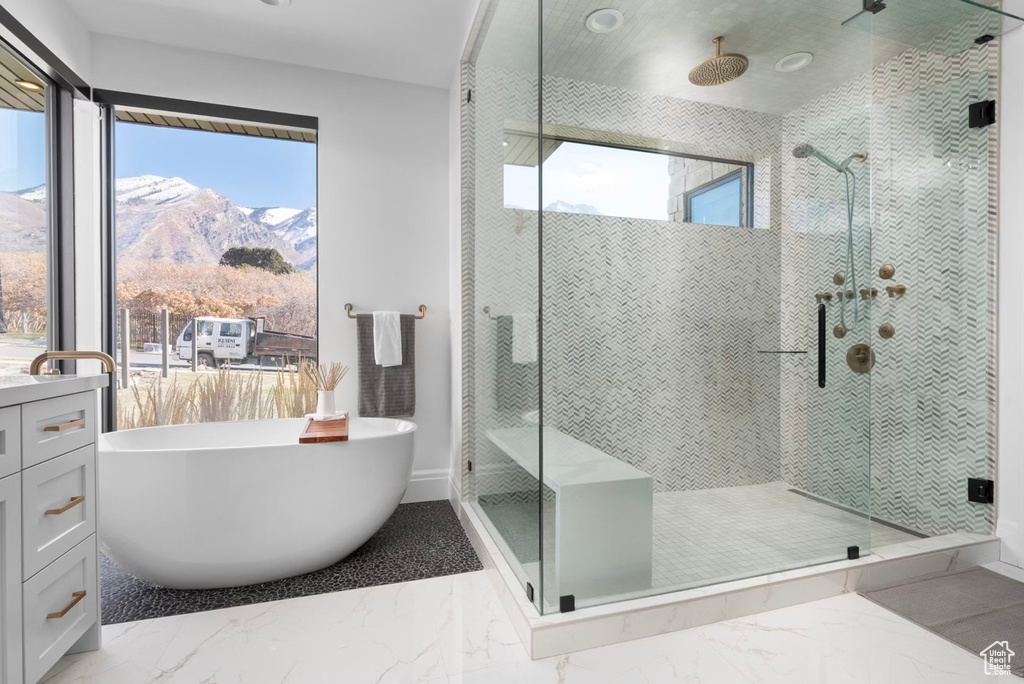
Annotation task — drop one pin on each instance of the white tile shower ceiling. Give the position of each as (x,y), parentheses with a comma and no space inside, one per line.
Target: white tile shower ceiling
(661,40)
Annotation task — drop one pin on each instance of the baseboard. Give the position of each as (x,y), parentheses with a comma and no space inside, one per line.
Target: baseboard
(1009,533)
(455,494)
(427,485)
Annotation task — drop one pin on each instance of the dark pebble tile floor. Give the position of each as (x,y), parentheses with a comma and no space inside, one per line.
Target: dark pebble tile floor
(419,540)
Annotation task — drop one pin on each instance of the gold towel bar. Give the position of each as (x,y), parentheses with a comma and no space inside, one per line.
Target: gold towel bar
(420,317)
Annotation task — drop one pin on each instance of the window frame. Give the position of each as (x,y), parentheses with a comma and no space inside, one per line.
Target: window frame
(747,170)
(108,102)
(745,214)
(58,154)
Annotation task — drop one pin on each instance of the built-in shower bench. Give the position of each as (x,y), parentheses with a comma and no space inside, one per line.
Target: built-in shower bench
(603,512)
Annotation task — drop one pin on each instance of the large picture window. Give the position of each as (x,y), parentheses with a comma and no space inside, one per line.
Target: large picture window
(26,217)
(216,240)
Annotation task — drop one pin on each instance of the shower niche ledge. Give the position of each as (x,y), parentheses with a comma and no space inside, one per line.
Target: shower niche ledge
(633,618)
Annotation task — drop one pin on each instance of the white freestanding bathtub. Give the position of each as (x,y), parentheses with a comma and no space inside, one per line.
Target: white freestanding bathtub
(229,504)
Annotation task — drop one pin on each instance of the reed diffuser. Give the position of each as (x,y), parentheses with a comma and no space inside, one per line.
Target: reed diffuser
(326,379)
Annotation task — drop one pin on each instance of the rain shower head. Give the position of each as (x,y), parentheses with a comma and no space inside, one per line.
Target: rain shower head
(720,68)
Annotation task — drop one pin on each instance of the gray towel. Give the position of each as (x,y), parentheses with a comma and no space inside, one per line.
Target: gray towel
(390,391)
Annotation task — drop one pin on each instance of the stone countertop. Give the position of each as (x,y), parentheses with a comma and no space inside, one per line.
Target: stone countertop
(21,389)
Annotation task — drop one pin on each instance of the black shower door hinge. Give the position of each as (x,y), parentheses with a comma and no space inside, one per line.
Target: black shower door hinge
(529,592)
(981,114)
(469,96)
(567,603)
(873,6)
(981,491)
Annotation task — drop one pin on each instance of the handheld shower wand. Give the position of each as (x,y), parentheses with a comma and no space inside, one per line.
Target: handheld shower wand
(806,150)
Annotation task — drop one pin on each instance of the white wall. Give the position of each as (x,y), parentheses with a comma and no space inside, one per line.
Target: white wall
(383,202)
(58,29)
(1010,464)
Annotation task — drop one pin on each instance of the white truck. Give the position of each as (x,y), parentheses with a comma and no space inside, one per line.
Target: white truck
(241,340)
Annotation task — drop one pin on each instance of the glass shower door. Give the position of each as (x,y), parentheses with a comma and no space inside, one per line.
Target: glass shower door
(500,309)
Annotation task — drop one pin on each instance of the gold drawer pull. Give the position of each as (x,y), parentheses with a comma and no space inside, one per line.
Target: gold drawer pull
(70,425)
(76,596)
(75,500)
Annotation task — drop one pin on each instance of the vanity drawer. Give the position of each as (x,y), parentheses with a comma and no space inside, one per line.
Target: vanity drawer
(10,440)
(59,606)
(58,507)
(56,426)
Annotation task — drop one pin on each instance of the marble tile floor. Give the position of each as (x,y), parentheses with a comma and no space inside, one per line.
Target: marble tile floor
(453,629)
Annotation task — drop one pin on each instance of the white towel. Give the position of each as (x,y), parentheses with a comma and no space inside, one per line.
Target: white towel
(524,338)
(387,338)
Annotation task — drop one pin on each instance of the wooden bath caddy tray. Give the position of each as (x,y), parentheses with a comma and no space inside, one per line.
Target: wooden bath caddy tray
(319,431)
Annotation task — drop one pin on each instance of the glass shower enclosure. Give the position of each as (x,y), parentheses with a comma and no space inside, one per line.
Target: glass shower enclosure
(727,286)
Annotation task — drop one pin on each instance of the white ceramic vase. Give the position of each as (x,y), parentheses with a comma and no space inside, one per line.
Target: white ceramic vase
(325,404)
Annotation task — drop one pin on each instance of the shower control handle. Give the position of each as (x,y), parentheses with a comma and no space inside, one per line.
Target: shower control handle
(886,331)
(865,293)
(886,271)
(896,291)
(821,344)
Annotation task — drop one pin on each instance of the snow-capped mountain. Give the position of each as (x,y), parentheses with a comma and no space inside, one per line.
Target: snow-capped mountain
(272,216)
(568,208)
(153,190)
(297,227)
(174,220)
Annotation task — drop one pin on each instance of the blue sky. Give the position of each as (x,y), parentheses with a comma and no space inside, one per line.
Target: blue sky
(24,133)
(616,182)
(251,172)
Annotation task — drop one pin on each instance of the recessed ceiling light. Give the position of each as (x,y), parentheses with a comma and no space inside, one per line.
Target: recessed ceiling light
(794,62)
(30,86)
(604,20)
(277,3)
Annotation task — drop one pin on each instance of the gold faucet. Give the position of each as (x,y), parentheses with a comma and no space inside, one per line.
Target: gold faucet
(37,363)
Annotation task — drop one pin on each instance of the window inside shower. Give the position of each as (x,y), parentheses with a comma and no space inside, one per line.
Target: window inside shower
(603,179)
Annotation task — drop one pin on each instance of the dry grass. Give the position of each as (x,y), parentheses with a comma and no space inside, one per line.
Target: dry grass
(215,397)
(325,378)
(294,394)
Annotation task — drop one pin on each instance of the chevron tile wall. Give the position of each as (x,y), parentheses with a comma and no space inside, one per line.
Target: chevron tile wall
(641,352)
(922,422)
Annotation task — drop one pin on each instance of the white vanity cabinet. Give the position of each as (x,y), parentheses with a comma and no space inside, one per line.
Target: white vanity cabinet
(49,554)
